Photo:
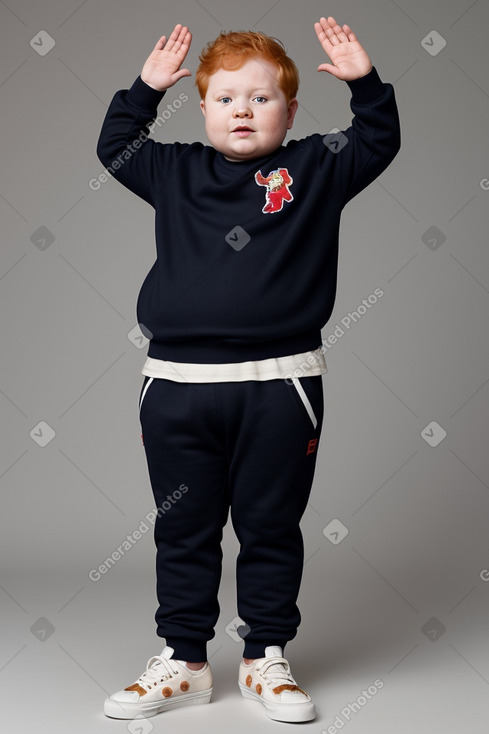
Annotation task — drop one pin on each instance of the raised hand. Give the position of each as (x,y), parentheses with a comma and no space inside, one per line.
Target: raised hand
(350,60)
(162,68)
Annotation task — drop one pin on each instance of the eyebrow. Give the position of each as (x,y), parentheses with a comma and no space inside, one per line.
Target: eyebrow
(257,89)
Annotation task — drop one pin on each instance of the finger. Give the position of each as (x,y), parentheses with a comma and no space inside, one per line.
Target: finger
(349,33)
(174,37)
(182,35)
(322,37)
(181,44)
(187,40)
(328,27)
(180,74)
(181,47)
(329,68)
(338,30)
(160,43)
(334,31)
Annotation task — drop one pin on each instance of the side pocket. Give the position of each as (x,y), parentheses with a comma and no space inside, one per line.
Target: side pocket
(306,403)
(144,389)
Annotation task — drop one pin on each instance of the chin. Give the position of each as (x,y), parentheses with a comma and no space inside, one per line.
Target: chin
(238,158)
(239,154)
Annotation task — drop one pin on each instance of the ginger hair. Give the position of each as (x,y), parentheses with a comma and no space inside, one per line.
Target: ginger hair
(231,49)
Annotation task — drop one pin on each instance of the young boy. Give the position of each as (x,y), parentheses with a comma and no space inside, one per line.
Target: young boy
(231,405)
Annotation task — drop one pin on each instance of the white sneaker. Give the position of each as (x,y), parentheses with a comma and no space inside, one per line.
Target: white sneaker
(166,683)
(269,681)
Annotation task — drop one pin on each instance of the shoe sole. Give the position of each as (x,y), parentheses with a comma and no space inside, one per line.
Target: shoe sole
(292,712)
(131,710)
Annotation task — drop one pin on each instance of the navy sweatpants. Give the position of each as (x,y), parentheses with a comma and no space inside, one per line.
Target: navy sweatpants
(250,447)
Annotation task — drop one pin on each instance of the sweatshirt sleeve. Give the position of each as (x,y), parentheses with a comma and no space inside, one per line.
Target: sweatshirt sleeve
(365,149)
(124,148)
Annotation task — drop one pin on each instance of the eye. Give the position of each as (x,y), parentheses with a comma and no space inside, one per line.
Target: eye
(225,99)
(264,99)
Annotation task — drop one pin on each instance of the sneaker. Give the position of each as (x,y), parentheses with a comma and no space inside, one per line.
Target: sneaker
(270,681)
(166,683)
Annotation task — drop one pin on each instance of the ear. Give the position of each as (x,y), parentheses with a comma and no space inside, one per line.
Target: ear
(202,106)
(291,110)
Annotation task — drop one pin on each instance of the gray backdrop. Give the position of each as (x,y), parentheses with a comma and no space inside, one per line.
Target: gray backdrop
(395,586)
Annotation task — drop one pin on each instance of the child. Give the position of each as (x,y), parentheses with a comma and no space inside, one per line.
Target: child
(231,404)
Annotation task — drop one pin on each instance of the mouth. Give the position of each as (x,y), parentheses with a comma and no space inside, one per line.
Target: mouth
(242,131)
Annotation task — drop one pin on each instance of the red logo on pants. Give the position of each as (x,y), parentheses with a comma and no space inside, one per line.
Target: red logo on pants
(311,447)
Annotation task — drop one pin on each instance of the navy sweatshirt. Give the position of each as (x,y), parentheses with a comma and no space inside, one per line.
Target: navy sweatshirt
(246,252)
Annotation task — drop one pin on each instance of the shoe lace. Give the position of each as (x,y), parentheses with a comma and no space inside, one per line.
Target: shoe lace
(157,670)
(276,670)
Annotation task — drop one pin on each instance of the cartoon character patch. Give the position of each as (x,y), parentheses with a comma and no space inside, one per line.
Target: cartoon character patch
(277,183)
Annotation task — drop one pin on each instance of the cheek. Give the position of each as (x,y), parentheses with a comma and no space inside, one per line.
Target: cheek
(211,123)
(278,124)
(216,120)
(277,121)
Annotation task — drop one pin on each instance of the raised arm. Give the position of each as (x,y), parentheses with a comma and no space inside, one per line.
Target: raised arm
(359,154)
(130,156)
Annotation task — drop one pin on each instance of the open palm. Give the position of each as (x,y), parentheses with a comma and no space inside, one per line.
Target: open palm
(350,60)
(162,67)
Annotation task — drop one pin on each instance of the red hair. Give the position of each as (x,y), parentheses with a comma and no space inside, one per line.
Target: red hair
(231,49)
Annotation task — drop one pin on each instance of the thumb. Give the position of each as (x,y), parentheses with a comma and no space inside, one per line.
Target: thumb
(330,69)
(180,74)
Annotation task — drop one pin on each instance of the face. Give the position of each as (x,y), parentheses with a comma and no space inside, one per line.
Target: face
(248,98)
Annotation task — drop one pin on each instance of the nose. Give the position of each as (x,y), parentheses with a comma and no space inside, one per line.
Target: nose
(242,112)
